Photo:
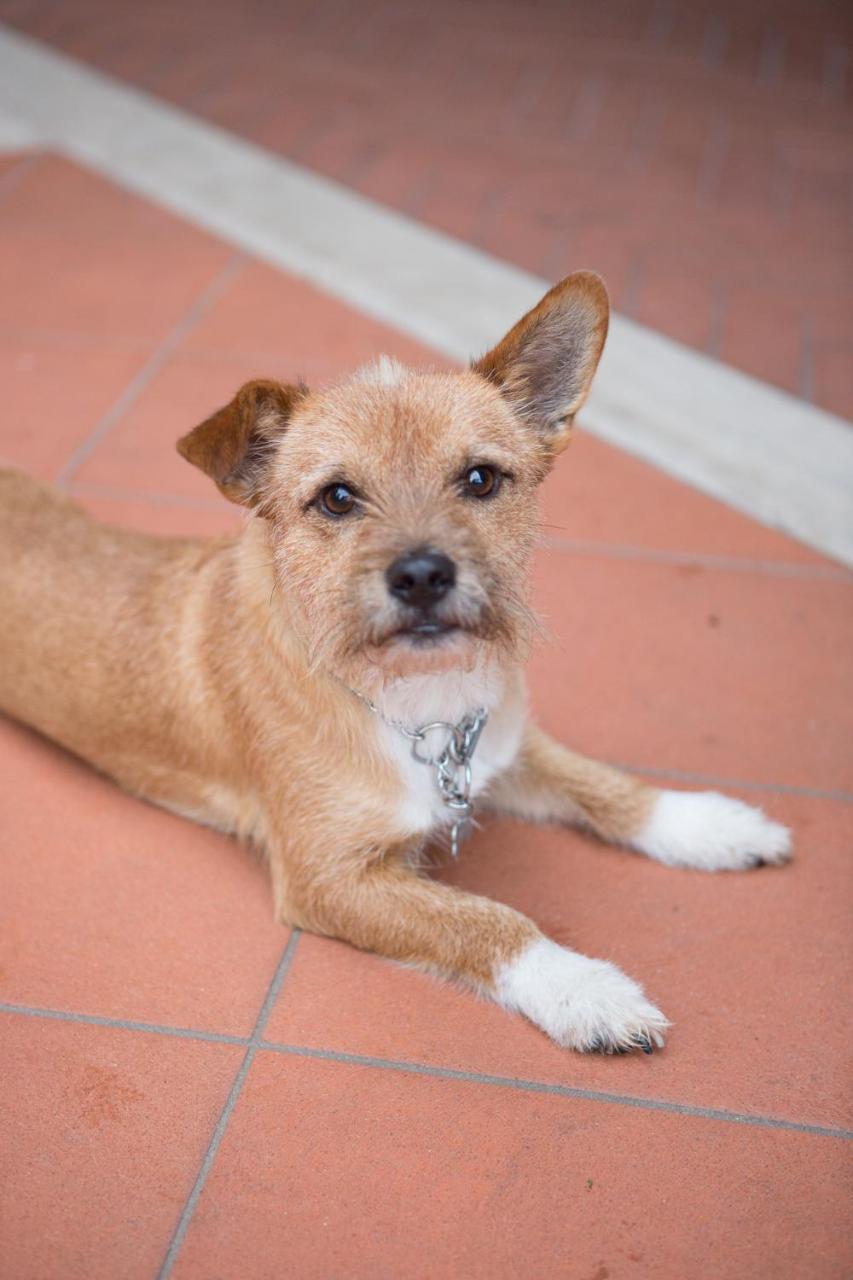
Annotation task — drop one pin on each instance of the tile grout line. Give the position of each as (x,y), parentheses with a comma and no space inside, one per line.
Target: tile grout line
(713,780)
(111,494)
(726,564)
(209,295)
(255,1040)
(123,1024)
(560,1090)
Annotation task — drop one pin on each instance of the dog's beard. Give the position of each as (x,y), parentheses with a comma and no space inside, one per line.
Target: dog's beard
(365,646)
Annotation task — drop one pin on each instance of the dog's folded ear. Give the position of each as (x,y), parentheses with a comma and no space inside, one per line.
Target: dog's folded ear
(234,445)
(545,364)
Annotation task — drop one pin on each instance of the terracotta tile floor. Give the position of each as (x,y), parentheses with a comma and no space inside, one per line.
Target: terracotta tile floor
(188,1090)
(696,152)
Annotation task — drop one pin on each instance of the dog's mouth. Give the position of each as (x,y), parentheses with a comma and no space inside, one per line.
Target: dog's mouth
(425,632)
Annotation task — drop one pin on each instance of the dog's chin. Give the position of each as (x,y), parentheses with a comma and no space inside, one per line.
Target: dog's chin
(425,648)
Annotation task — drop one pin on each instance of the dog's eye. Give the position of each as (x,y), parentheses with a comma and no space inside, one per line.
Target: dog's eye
(337,500)
(482,481)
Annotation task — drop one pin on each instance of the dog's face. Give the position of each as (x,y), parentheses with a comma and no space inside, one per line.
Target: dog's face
(403,517)
(401,505)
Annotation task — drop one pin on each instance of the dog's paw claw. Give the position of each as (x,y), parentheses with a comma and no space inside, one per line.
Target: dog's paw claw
(583,1004)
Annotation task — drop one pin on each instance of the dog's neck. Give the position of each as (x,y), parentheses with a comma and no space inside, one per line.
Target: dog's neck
(448,695)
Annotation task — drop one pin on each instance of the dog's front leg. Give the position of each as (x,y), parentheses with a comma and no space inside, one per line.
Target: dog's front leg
(383,905)
(701,829)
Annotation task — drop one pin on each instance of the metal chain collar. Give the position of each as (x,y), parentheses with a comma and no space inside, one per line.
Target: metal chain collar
(451,765)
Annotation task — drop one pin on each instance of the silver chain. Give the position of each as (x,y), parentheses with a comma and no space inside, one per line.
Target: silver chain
(451,766)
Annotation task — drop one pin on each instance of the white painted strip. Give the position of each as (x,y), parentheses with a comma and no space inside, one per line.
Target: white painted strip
(16,134)
(764,452)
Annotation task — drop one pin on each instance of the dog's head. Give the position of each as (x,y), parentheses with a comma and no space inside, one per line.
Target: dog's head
(400,504)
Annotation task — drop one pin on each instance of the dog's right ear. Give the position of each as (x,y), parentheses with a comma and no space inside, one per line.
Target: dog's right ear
(545,364)
(233,446)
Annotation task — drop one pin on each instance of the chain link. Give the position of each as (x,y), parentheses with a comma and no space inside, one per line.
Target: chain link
(451,766)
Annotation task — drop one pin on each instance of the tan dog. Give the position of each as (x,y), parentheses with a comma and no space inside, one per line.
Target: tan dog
(274,684)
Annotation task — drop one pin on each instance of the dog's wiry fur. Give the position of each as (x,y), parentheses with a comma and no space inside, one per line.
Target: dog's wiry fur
(215,677)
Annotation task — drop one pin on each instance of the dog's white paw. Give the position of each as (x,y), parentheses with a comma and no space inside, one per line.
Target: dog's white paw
(583,1004)
(705,830)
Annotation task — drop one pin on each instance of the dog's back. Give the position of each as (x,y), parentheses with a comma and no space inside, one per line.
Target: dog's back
(86,611)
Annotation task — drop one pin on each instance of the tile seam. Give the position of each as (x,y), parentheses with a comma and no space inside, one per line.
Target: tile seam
(123,1024)
(724,564)
(76,339)
(746,784)
(209,1157)
(111,493)
(257,1042)
(206,1164)
(567,1091)
(162,353)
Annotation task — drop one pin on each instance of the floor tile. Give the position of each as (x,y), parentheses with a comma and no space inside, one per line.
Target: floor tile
(176,518)
(297,330)
(265,325)
(652,134)
(14,162)
(139,454)
(759,1024)
(598,493)
(336,1170)
(101,1136)
(54,397)
(92,269)
(115,908)
(112,908)
(738,675)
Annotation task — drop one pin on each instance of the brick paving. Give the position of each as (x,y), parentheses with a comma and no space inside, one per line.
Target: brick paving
(189,1090)
(698,153)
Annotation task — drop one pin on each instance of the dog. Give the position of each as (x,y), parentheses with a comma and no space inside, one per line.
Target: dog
(342,680)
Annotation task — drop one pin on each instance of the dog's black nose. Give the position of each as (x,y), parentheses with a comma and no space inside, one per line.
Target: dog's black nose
(421,577)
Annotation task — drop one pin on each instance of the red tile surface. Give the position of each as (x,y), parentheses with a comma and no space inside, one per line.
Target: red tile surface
(685,667)
(264,325)
(101,1135)
(180,518)
(139,454)
(661,656)
(338,1170)
(289,329)
(9,162)
(14,166)
(697,154)
(55,395)
(115,908)
(715,952)
(769,328)
(599,494)
(91,270)
(832,378)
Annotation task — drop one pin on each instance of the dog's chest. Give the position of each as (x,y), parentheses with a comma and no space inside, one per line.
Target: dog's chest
(421,807)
